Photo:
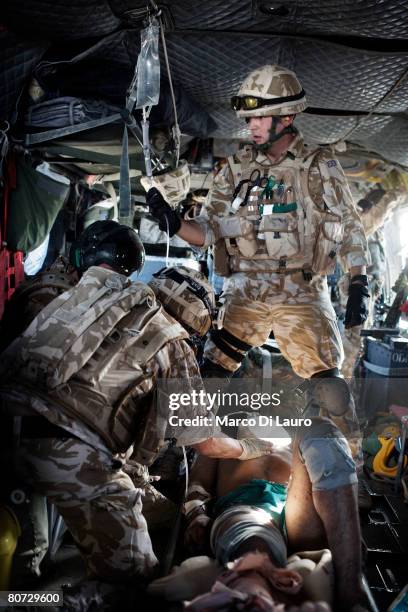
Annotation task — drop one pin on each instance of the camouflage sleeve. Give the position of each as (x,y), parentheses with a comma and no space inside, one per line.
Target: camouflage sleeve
(217,206)
(376,246)
(337,195)
(182,398)
(375,218)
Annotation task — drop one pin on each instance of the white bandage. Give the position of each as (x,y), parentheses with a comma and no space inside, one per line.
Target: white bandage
(254,447)
(196,506)
(191,505)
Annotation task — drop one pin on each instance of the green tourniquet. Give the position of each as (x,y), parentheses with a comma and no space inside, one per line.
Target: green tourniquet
(270,496)
(284,208)
(268,191)
(280,208)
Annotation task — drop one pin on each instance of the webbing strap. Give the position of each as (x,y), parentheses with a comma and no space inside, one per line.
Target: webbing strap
(237,342)
(31,139)
(124,187)
(267,368)
(124,181)
(225,348)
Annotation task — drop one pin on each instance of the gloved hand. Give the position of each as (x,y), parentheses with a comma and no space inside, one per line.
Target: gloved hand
(255,447)
(357,305)
(197,535)
(160,210)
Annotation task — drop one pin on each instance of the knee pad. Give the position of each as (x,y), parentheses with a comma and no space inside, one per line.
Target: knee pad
(327,457)
(331,393)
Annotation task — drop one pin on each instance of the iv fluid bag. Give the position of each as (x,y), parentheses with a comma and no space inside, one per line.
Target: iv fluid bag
(148,67)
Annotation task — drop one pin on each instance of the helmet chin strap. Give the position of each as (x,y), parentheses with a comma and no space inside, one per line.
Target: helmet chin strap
(273,136)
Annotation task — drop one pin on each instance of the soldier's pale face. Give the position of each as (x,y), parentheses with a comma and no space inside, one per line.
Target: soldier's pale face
(260,127)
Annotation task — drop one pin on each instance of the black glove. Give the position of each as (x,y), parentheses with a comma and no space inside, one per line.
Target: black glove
(160,210)
(357,305)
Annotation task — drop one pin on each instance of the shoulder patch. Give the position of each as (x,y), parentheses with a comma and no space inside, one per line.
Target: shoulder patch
(331,163)
(245,154)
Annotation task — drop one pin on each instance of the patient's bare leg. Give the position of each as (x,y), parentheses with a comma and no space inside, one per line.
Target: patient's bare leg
(320,518)
(338,510)
(304,526)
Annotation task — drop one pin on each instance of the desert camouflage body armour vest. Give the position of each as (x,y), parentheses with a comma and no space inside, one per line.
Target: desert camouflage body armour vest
(88,352)
(292,221)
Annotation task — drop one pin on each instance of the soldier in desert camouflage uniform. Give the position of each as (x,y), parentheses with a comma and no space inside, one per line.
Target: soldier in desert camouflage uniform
(30,297)
(27,302)
(278,216)
(86,396)
(376,209)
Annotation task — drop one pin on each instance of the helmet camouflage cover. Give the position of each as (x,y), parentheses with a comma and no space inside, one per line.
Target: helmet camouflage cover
(275,83)
(174,185)
(187,296)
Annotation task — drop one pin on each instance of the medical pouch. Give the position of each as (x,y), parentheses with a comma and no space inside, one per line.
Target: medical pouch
(281,235)
(239,235)
(247,244)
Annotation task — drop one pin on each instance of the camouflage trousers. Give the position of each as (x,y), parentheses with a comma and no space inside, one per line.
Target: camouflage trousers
(97,500)
(352,349)
(300,315)
(303,322)
(352,343)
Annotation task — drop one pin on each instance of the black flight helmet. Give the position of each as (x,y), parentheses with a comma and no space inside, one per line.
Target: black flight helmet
(108,242)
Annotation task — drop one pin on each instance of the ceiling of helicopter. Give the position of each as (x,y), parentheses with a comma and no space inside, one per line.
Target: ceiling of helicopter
(351,58)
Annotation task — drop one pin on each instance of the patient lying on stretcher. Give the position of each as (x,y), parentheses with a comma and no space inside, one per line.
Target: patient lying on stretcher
(261,510)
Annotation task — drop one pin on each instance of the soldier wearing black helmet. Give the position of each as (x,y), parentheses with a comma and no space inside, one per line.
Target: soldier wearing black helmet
(82,376)
(108,243)
(104,242)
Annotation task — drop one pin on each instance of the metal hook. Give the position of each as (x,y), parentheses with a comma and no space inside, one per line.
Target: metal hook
(6,128)
(156,10)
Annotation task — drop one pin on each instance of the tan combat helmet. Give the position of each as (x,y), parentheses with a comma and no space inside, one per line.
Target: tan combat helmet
(269,90)
(187,296)
(174,185)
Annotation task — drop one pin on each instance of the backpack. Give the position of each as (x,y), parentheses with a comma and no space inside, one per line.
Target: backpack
(66,333)
(30,297)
